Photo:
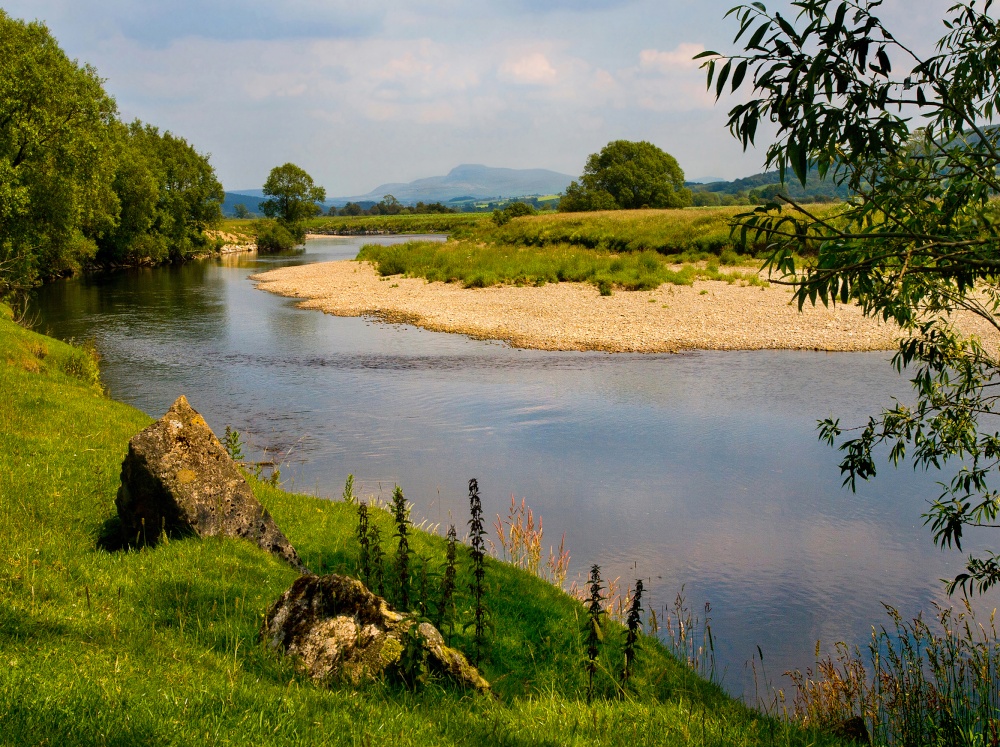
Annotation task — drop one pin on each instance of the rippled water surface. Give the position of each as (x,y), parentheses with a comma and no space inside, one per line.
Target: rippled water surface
(701,469)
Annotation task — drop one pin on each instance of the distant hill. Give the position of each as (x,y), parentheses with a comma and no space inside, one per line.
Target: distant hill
(468,181)
(250,201)
(766,182)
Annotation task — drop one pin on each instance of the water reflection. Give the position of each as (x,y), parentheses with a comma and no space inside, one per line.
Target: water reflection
(700,469)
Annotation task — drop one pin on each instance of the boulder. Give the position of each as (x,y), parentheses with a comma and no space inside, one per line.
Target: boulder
(178,478)
(340,631)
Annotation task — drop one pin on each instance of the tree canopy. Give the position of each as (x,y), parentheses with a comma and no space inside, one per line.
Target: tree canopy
(76,185)
(293,195)
(627,175)
(55,157)
(918,241)
(168,195)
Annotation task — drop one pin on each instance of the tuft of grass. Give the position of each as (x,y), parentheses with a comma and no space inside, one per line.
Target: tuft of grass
(160,645)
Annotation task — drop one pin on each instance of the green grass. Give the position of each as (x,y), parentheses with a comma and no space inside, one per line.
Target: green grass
(625,249)
(668,232)
(478,265)
(160,645)
(395,224)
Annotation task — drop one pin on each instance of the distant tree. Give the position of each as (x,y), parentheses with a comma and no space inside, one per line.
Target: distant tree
(628,175)
(512,210)
(704,199)
(389,205)
(240,211)
(432,207)
(293,195)
(351,208)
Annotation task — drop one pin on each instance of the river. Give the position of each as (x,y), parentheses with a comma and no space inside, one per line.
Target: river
(699,470)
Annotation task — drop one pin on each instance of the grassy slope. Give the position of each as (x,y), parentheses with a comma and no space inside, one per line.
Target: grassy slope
(160,646)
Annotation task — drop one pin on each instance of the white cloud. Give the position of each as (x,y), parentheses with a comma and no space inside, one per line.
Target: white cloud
(531,69)
(677,59)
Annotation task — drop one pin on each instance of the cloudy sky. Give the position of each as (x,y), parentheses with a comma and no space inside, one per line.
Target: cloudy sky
(361,93)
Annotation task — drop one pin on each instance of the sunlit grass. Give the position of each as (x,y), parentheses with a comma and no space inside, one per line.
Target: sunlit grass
(478,265)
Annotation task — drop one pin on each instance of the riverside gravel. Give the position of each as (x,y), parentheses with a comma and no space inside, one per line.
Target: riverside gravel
(709,315)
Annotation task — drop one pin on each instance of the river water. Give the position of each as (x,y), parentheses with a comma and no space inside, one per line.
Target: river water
(699,470)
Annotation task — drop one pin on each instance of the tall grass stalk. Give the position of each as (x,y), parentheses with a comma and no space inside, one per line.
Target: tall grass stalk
(477,531)
(593,629)
(633,623)
(522,544)
(690,638)
(401,515)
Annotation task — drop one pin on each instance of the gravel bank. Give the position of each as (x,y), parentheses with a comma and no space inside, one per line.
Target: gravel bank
(709,315)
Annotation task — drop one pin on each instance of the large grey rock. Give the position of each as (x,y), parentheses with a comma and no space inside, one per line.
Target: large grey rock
(340,631)
(178,478)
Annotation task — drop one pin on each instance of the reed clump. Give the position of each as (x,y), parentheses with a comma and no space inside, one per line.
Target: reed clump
(919,683)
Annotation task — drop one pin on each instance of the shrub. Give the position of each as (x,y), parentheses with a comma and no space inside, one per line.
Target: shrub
(275,237)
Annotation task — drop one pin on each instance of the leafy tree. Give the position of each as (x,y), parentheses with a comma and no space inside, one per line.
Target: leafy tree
(168,195)
(242,212)
(388,205)
(352,208)
(627,175)
(919,241)
(56,157)
(293,195)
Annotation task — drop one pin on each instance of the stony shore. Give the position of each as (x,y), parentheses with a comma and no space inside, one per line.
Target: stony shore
(711,315)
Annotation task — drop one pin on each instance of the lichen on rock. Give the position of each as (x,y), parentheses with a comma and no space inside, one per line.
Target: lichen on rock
(339,631)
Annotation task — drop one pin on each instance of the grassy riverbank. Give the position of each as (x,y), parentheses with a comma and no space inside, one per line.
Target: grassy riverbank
(395,224)
(625,249)
(160,645)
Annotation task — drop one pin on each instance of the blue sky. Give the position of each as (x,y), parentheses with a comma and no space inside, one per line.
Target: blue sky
(362,94)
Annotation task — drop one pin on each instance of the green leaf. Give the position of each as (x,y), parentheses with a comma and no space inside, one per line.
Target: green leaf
(755,40)
(720,82)
(739,74)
